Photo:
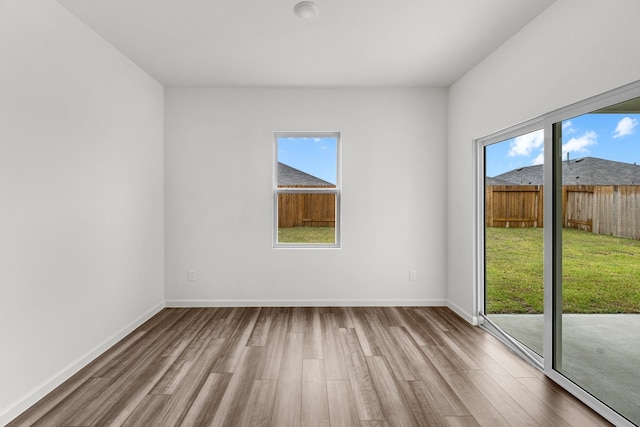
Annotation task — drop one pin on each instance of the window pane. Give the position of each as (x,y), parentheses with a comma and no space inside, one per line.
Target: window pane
(307,161)
(597,343)
(308,164)
(514,263)
(306,218)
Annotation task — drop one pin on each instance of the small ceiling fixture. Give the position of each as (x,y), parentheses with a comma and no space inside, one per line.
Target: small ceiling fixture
(306,10)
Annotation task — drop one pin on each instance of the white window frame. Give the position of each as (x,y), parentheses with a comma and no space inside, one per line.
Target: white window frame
(337,190)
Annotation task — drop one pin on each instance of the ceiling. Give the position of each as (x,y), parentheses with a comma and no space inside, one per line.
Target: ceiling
(352,43)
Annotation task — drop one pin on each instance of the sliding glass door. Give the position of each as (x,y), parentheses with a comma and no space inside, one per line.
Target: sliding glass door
(598,237)
(513,238)
(559,247)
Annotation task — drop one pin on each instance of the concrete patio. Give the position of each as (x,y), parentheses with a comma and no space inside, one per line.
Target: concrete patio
(601,353)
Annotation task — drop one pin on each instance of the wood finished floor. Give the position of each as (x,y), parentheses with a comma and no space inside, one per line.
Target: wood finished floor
(317,366)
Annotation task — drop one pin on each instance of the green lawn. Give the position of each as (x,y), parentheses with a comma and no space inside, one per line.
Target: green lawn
(307,235)
(601,274)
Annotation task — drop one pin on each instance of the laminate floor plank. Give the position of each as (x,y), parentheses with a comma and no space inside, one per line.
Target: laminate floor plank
(231,320)
(205,405)
(473,340)
(165,318)
(479,405)
(158,335)
(439,394)
(62,414)
(342,406)
(388,348)
(415,393)
(441,346)
(260,405)
(197,358)
(260,332)
(375,423)
(234,400)
(334,360)
(343,318)
(312,346)
(189,333)
(394,316)
(561,403)
(184,391)
(288,402)
(124,396)
(364,391)
(367,341)
(234,345)
(529,401)
(137,379)
(396,410)
(298,320)
(502,401)
(462,422)
(308,366)
(53,400)
(146,410)
(270,364)
(315,405)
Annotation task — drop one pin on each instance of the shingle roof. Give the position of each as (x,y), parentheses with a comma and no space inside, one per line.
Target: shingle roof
(288,176)
(583,171)
(495,181)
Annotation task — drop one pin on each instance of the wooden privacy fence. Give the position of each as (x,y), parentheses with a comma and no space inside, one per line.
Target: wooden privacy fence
(306,210)
(602,209)
(514,206)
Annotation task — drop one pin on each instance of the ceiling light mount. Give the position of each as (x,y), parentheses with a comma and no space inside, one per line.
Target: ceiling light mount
(306,10)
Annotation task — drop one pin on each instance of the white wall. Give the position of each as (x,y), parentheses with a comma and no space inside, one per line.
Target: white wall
(81,196)
(573,50)
(218,200)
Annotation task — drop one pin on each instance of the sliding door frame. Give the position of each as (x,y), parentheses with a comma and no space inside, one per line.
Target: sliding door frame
(479,146)
(552,236)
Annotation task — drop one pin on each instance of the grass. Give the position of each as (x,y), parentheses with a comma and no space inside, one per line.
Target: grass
(307,235)
(601,274)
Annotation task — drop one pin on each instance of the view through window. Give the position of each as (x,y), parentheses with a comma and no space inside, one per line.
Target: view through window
(598,330)
(307,190)
(514,258)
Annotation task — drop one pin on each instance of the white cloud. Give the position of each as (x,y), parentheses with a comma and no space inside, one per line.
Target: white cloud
(626,126)
(567,128)
(539,160)
(580,144)
(523,145)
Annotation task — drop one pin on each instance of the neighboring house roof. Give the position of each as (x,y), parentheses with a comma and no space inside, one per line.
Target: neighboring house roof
(495,181)
(288,176)
(583,171)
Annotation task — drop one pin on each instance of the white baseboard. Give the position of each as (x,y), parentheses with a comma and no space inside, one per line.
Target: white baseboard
(463,313)
(307,303)
(23,403)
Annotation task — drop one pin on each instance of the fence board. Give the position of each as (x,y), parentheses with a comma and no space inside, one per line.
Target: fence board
(514,206)
(578,207)
(306,209)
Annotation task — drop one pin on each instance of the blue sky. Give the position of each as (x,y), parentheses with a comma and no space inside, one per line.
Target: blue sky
(315,156)
(607,136)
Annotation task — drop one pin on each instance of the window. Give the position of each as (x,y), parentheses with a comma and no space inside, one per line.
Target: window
(307,190)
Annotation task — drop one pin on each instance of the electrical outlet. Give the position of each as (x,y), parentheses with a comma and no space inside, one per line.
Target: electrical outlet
(191,276)
(412,275)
